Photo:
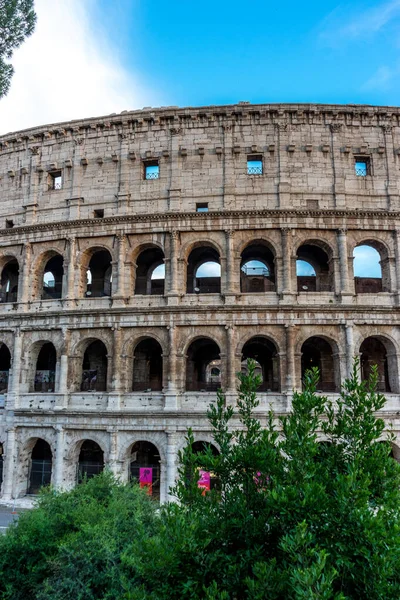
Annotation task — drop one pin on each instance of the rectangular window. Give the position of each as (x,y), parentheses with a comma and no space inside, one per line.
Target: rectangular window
(362,166)
(55,180)
(254,165)
(202,207)
(151,169)
(9,223)
(99,213)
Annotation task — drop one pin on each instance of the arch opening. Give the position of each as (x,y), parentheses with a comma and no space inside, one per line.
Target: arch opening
(145,467)
(367,270)
(317,352)
(150,272)
(373,352)
(147,366)
(91,460)
(99,275)
(52,278)
(45,374)
(40,466)
(9,281)
(94,368)
(203,271)
(265,354)
(202,357)
(5,365)
(313,269)
(257,269)
(207,480)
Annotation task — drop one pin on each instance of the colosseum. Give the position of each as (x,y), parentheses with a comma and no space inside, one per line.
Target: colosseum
(144,256)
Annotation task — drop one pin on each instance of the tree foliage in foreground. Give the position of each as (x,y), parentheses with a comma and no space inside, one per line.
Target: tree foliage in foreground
(291,518)
(17,21)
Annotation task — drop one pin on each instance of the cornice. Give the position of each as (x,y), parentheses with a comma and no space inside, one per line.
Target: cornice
(212,215)
(174,118)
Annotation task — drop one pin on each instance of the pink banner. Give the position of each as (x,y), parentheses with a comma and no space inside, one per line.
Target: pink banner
(205,481)
(146,479)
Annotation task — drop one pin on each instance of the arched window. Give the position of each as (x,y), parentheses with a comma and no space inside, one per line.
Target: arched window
(145,467)
(94,368)
(203,271)
(317,352)
(9,281)
(373,352)
(264,352)
(41,464)
(150,272)
(5,363)
(99,274)
(201,355)
(45,373)
(367,270)
(52,278)
(313,269)
(147,366)
(91,460)
(257,270)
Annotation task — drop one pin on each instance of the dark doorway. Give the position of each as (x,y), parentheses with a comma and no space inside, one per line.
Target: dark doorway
(45,374)
(145,467)
(200,354)
(94,368)
(147,366)
(41,462)
(91,460)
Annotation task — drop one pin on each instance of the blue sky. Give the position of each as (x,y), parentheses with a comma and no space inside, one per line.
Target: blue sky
(101,56)
(222,52)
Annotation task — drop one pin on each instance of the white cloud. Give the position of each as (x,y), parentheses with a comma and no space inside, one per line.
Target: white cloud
(348,22)
(67,70)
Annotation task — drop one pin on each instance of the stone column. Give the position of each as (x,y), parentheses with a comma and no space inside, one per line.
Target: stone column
(346,290)
(114,397)
(171,392)
(173,266)
(59,462)
(391,169)
(338,174)
(171,463)
(290,362)
(113,463)
(229,168)
(70,291)
(123,196)
(286,271)
(230,266)
(230,360)
(63,375)
(14,387)
(120,266)
(9,464)
(397,262)
(26,279)
(349,348)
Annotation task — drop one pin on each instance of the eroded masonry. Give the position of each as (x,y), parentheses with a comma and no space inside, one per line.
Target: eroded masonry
(145,256)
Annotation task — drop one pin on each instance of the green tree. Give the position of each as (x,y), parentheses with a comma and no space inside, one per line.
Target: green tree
(293,518)
(17,21)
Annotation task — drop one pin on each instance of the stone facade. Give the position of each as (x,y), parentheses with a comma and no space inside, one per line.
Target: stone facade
(127,361)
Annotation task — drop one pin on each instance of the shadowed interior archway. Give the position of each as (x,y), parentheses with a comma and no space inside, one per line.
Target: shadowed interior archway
(52,278)
(203,271)
(94,368)
(40,467)
(313,269)
(373,352)
(264,352)
(9,281)
(200,354)
(5,365)
(147,366)
(257,269)
(99,274)
(317,352)
(145,467)
(45,373)
(150,276)
(91,460)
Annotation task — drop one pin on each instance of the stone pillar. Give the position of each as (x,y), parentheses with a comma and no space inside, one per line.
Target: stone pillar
(230,360)
(123,196)
(284,185)
(286,271)
(63,374)
(120,267)
(113,463)
(229,168)
(14,387)
(70,291)
(290,362)
(171,463)
(59,462)
(114,397)
(173,264)
(10,456)
(349,349)
(391,169)
(171,392)
(346,290)
(397,262)
(338,173)
(230,266)
(26,279)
